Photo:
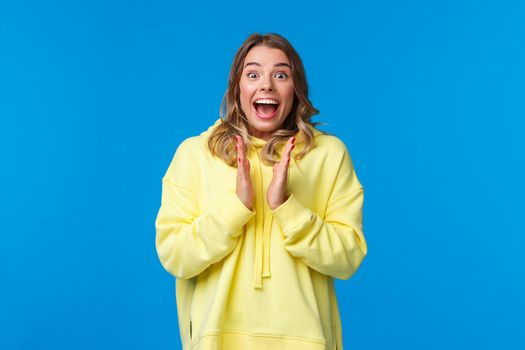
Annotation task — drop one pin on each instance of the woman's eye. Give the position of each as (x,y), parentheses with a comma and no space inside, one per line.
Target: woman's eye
(280,75)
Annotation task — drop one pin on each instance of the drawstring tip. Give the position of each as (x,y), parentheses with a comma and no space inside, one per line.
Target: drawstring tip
(257,285)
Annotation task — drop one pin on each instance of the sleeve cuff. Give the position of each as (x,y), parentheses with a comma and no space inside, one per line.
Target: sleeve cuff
(234,213)
(291,214)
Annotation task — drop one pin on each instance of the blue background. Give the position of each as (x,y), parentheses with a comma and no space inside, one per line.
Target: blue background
(95,97)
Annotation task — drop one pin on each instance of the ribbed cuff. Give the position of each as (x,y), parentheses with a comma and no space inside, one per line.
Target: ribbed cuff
(234,213)
(290,214)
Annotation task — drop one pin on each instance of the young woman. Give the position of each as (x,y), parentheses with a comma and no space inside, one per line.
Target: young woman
(259,214)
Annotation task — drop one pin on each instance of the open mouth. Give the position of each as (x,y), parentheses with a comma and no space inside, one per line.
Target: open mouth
(265,110)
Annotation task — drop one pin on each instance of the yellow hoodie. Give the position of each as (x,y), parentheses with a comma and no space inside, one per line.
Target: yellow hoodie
(261,279)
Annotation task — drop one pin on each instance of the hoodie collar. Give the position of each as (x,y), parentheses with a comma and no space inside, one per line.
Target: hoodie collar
(257,142)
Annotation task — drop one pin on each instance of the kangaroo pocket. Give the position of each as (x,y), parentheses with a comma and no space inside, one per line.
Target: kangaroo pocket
(286,306)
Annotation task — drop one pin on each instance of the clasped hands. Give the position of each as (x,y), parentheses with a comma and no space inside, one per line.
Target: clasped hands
(276,193)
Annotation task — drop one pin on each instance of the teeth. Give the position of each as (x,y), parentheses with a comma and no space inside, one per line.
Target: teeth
(267,101)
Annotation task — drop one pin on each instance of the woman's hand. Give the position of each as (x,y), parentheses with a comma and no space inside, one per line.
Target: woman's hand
(277,193)
(244,184)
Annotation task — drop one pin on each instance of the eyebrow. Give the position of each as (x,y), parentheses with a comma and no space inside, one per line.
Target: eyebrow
(282,64)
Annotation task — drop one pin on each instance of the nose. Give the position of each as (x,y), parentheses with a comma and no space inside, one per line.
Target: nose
(267,83)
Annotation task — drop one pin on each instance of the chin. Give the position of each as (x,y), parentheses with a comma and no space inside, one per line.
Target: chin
(266,125)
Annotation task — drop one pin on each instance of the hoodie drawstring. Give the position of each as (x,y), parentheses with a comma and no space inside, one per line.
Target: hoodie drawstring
(262,252)
(262,232)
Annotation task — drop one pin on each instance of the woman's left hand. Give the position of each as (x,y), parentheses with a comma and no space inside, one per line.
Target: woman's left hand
(277,192)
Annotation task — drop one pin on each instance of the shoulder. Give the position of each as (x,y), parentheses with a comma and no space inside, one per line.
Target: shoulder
(338,156)
(190,146)
(196,145)
(330,144)
(183,155)
(183,160)
(333,151)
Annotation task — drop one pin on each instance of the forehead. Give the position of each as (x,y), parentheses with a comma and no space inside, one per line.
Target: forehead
(265,56)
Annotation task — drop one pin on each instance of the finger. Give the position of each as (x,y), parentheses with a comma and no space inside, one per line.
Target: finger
(238,148)
(280,169)
(288,150)
(241,148)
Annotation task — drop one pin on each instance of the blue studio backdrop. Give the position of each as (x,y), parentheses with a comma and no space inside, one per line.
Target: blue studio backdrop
(428,96)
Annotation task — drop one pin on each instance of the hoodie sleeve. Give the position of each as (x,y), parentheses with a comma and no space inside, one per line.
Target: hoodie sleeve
(187,241)
(334,246)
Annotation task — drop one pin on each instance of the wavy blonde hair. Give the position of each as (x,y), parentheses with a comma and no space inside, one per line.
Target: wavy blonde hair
(221,141)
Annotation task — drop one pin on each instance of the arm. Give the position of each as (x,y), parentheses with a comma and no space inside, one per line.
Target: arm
(188,242)
(334,246)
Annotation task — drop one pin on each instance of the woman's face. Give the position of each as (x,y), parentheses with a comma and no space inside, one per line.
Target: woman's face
(266,75)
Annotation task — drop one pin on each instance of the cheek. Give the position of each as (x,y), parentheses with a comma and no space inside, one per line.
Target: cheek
(244,101)
(245,94)
(288,96)
(289,104)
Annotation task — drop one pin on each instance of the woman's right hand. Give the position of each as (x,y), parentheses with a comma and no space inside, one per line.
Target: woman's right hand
(244,184)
